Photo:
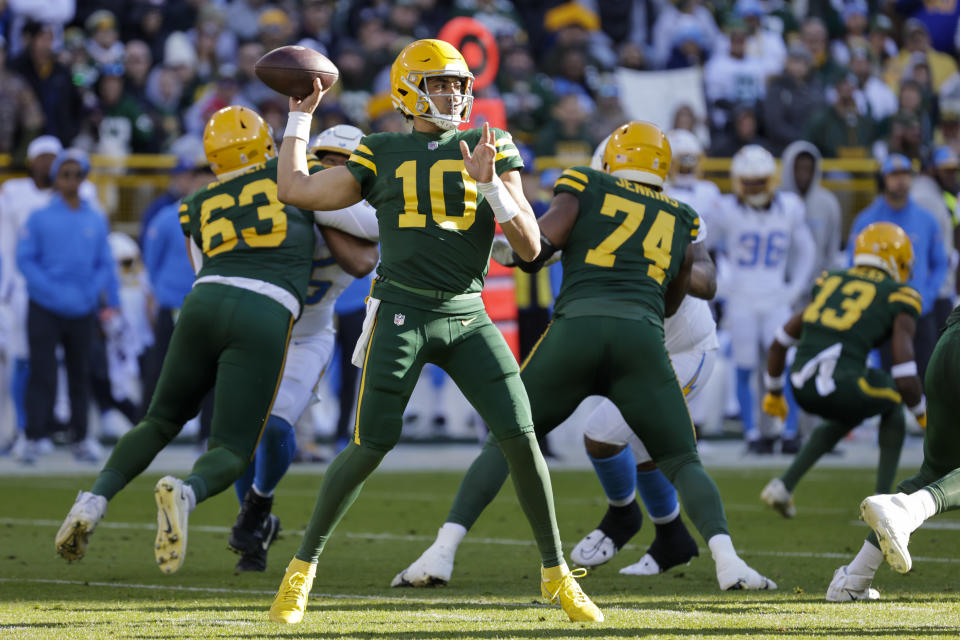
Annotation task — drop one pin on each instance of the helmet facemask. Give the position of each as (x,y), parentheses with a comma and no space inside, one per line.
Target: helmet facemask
(461,104)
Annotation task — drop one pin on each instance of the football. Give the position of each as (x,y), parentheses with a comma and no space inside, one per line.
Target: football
(290,70)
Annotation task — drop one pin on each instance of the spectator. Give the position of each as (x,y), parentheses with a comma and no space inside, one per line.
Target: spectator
(103,43)
(732,78)
(137,61)
(575,26)
(880,43)
(840,130)
(855,22)
(317,25)
(65,259)
(526,92)
(499,16)
(146,22)
(800,173)
(895,205)
(572,77)
(566,134)
(872,96)
(181,184)
(630,55)
(224,92)
(20,116)
(119,124)
(916,39)
(690,48)
(813,34)
(791,99)
(762,44)
(274,29)
(938,18)
(243,17)
(675,17)
(914,102)
(51,82)
(936,191)
(744,132)
(251,88)
(905,138)
(950,127)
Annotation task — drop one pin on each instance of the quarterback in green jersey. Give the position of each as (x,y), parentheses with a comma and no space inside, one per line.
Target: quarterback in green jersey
(627,261)
(438,192)
(231,335)
(852,312)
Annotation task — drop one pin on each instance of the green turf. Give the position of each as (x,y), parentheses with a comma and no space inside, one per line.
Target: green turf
(116,591)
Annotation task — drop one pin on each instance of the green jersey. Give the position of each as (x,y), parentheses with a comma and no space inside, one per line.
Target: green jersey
(627,244)
(851,313)
(436,230)
(244,231)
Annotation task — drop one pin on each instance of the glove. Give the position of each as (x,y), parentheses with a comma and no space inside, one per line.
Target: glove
(503,253)
(774,404)
(922,420)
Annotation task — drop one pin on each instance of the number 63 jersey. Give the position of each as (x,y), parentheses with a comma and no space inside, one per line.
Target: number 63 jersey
(851,313)
(627,244)
(244,231)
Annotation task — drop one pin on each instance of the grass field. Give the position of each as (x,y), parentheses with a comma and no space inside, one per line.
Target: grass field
(116,592)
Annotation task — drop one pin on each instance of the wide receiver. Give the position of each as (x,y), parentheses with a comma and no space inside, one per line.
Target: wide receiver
(436,203)
(853,311)
(690,336)
(340,254)
(627,260)
(231,336)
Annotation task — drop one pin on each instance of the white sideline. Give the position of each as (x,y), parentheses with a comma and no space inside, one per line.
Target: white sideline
(474,540)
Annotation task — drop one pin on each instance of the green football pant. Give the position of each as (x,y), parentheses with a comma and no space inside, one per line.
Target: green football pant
(228,339)
(473,352)
(626,361)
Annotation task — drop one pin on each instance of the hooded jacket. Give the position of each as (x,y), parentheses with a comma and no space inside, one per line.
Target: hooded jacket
(823,209)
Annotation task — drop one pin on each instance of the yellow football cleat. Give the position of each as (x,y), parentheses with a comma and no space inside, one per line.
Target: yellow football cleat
(173,510)
(564,588)
(291,601)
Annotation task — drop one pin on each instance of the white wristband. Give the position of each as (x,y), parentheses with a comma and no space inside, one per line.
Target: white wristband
(503,205)
(784,338)
(904,369)
(920,408)
(298,125)
(773,383)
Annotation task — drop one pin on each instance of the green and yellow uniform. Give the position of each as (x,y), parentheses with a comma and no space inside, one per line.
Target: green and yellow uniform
(232,331)
(851,313)
(606,338)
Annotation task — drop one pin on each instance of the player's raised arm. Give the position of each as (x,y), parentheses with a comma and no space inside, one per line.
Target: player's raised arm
(333,188)
(505,195)
(904,369)
(355,255)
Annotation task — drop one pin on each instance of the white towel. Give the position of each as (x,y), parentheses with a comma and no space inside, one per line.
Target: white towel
(360,351)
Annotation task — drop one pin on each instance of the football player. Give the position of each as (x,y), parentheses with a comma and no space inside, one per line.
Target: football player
(231,336)
(691,340)
(852,312)
(627,262)
(934,489)
(335,263)
(757,229)
(438,193)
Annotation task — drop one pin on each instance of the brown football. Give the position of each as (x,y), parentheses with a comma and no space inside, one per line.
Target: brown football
(290,70)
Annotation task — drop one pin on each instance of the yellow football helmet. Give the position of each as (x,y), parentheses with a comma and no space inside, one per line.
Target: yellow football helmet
(885,246)
(236,138)
(638,151)
(408,82)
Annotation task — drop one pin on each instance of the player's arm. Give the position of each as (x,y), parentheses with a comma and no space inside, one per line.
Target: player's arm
(554,229)
(333,188)
(505,195)
(680,285)
(703,273)
(355,255)
(774,404)
(904,369)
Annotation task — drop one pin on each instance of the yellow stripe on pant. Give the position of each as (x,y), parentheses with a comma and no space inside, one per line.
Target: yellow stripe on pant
(363,379)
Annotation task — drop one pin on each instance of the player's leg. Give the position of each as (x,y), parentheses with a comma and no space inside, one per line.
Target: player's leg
(778,493)
(744,339)
(392,364)
(660,419)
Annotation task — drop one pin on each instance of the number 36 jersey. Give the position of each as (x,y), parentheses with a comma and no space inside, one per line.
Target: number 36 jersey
(852,312)
(436,230)
(627,244)
(245,231)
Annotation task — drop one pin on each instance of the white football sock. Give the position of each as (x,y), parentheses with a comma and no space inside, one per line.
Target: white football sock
(450,535)
(721,546)
(867,562)
(921,505)
(191,496)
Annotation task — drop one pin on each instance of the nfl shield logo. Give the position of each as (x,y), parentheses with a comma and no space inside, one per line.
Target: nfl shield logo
(432,145)
(399,319)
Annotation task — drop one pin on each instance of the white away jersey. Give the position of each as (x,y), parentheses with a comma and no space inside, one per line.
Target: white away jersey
(703,195)
(327,282)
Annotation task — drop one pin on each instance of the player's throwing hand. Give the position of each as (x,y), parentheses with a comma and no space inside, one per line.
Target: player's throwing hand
(310,103)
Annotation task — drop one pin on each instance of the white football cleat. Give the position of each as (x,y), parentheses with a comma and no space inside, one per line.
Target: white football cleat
(647,566)
(173,509)
(432,569)
(737,574)
(847,587)
(594,550)
(778,498)
(893,523)
(74,533)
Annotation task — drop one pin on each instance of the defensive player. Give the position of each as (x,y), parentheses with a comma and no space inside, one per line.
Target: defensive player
(338,257)
(769,253)
(231,336)
(852,312)
(934,489)
(436,203)
(626,264)
(691,340)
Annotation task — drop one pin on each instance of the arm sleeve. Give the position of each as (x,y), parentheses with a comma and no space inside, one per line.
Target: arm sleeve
(358,220)
(573,181)
(907,300)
